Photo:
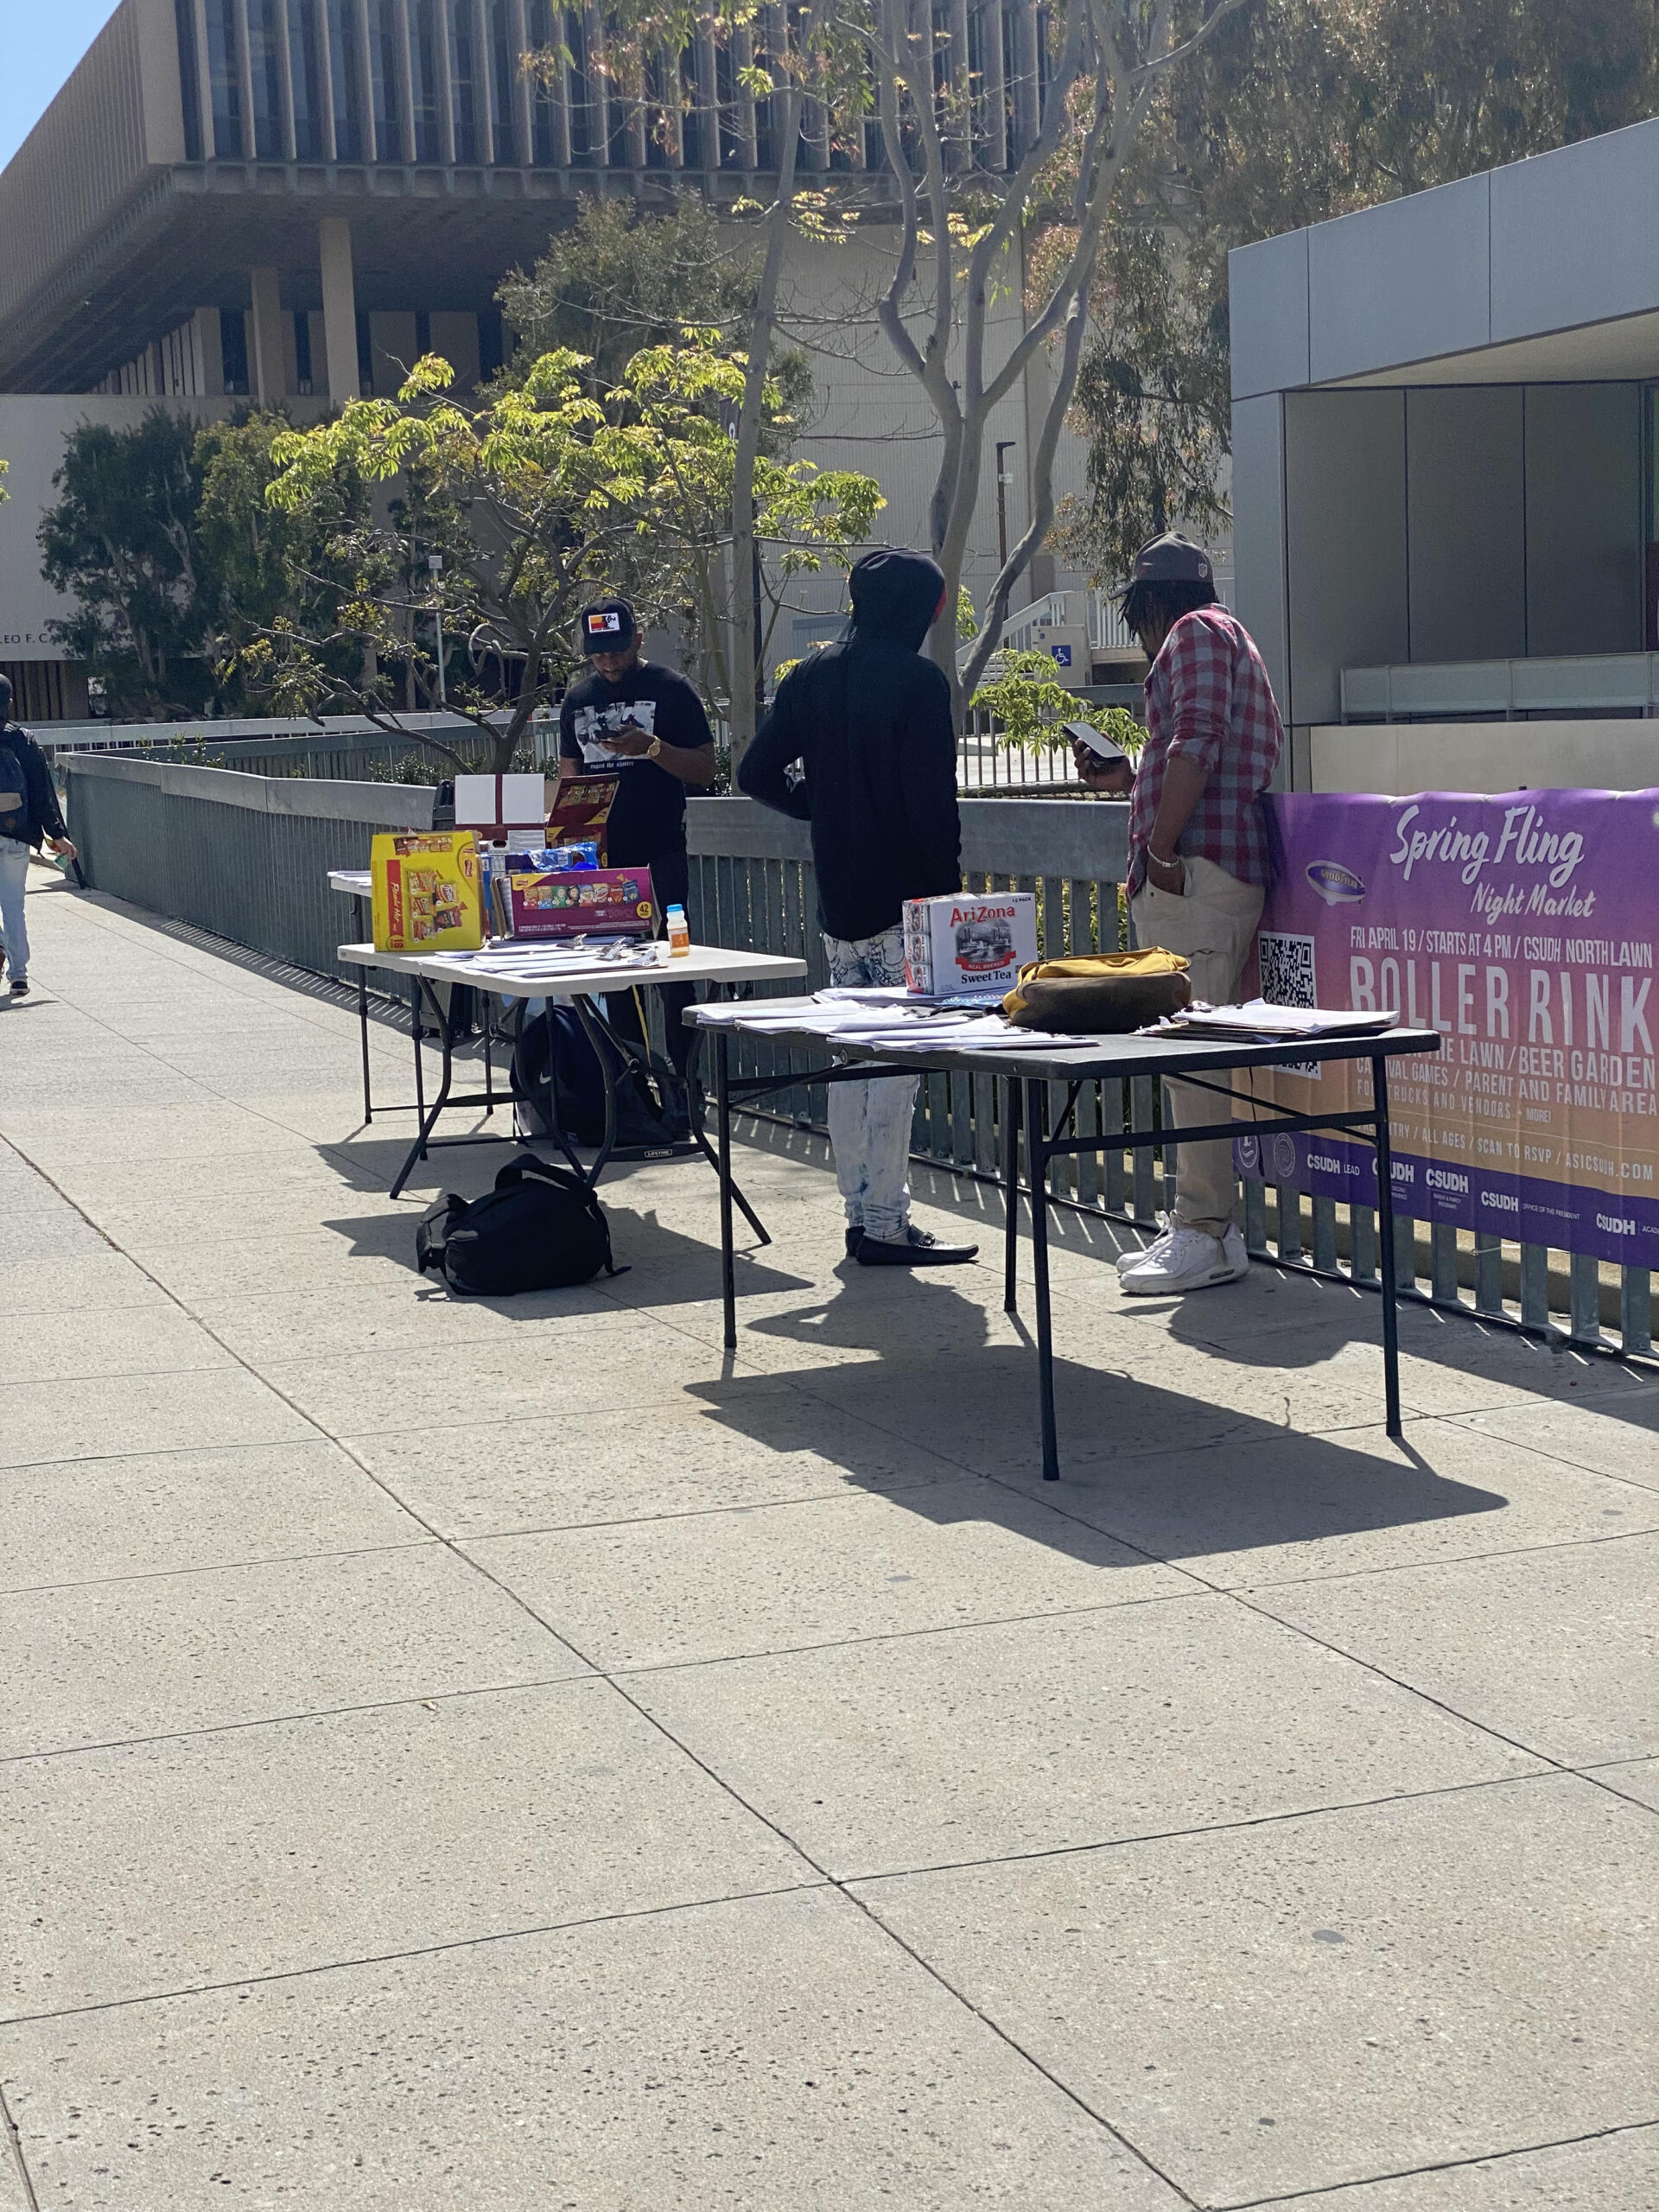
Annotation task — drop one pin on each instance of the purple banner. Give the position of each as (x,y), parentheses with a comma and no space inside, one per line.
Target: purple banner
(1522,928)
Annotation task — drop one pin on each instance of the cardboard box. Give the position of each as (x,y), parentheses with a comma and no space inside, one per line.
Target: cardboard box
(581,811)
(967,943)
(424,887)
(607,901)
(494,804)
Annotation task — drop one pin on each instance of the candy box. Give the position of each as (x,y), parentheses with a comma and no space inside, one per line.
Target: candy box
(425,892)
(604,901)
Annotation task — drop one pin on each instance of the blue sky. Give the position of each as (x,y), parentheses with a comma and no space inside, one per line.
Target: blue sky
(44,43)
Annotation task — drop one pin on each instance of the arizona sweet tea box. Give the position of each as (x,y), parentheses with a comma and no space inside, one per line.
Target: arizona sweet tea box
(425,891)
(968,943)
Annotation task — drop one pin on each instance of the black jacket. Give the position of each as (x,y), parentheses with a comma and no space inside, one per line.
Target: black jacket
(39,816)
(868,721)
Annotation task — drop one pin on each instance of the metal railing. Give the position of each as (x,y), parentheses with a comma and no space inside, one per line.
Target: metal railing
(343,749)
(246,857)
(1503,690)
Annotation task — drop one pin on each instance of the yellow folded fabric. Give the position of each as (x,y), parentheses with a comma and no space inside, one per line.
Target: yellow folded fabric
(1099,994)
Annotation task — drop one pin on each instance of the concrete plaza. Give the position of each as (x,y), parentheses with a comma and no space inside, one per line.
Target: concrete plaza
(508,1755)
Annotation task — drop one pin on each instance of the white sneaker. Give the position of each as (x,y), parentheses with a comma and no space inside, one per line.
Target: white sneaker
(1126,1260)
(1192,1260)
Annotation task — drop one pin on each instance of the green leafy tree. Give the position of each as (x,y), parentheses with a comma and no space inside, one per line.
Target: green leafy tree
(1294,111)
(123,543)
(1025,701)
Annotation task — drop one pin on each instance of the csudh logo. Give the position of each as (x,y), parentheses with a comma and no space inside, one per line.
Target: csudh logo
(1335,884)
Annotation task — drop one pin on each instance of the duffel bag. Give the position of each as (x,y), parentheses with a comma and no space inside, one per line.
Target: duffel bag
(541,1228)
(1099,994)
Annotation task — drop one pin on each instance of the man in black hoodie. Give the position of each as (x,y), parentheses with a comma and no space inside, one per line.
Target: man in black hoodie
(867,724)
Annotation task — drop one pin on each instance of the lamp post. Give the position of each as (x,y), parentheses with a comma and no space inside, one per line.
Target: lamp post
(435,564)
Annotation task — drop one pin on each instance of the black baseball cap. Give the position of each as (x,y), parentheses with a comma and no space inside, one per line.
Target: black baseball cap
(607,626)
(1171,559)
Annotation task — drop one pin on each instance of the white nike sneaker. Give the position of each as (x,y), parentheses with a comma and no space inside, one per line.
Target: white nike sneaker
(1192,1260)
(1159,1243)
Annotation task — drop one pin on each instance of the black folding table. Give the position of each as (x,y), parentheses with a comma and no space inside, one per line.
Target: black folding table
(1208,1064)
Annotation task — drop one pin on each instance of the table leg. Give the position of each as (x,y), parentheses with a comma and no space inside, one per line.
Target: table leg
(418,1029)
(363,1013)
(723,1169)
(1385,1231)
(1037,1164)
(428,1115)
(1011,1197)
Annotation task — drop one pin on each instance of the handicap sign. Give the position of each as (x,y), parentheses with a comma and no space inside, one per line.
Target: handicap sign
(1062,655)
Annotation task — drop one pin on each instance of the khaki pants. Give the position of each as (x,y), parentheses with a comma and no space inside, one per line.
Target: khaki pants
(1213,924)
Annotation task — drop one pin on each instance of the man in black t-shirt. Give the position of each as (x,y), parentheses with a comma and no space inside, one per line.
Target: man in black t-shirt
(646,725)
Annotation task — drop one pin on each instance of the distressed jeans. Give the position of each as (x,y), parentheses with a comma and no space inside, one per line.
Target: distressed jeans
(14,876)
(870,1123)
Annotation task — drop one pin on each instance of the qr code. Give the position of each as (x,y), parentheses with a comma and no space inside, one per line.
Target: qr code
(1287,979)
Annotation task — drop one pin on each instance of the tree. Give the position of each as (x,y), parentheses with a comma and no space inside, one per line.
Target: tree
(123,543)
(960,231)
(1295,111)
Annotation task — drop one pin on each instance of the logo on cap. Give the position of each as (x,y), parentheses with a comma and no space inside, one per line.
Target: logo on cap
(608,623)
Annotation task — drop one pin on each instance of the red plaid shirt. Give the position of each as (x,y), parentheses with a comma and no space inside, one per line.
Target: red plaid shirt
(1209,701)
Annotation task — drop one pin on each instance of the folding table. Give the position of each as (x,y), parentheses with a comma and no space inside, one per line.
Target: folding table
(1207,1064)
(520,972)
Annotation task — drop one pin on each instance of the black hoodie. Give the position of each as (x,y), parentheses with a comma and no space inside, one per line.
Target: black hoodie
(868,721)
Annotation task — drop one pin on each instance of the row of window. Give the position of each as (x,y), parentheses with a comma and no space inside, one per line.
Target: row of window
(351,56)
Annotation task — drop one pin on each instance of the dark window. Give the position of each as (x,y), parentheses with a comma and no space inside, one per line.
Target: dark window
(267,97)
(225,79)
(346,67)
(234,348)
(464,78)
(491,344)
(546,29)
(190,78)
(302,375)
(305,67)
(388,126)
(502,83)
(364,356)
(424,79)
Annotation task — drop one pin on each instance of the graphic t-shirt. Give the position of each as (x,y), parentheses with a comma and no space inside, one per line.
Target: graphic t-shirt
(648,815)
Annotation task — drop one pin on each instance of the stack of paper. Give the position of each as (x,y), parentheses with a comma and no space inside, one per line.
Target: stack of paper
(1259,1020)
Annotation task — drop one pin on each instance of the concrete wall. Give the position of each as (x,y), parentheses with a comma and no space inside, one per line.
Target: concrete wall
(1582,755)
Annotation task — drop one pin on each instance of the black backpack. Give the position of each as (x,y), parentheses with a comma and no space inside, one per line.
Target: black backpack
(555,1054)
(541,1228)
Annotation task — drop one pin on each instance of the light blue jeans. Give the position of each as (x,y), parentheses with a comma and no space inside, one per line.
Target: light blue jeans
(13,875)
(870,1123)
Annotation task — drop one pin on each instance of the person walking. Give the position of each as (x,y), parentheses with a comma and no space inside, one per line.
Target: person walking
(859,744)
(645,724)
(1199,864)
(29,816)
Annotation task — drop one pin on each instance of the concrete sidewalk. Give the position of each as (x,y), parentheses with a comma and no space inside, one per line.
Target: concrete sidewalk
(497,1757)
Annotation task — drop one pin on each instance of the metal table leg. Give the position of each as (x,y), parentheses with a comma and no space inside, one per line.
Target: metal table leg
(723,1170)
(363,1013)
(1385,1225)
(428,1115)
(1037,1164)
(1010,1197)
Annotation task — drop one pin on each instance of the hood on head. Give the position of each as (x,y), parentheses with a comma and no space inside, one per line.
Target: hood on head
(894,594)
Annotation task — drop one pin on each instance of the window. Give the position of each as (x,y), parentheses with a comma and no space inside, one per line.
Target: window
(545,29)
(502,83)
(346,68)
(263,65)
(234,348)
(305,67)
(225,79)
(388,126)
(423,78)
(303,373)
(463,78)
(190,78)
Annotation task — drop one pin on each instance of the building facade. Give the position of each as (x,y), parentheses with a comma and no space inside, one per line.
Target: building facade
(290,201)
(1445,524)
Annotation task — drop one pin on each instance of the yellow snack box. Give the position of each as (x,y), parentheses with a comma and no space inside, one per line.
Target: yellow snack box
(426,892)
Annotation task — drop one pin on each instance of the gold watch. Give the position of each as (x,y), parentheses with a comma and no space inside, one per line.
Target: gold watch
(653,748)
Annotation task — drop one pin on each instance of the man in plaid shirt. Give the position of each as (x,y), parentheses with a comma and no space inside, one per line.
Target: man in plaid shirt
(1198,866)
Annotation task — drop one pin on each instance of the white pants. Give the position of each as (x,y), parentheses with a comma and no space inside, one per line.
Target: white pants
(1213,923)
(870,1123)
(14,876)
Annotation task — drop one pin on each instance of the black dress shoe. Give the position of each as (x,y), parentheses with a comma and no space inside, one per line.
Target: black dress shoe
(854,1238)
(920,1248)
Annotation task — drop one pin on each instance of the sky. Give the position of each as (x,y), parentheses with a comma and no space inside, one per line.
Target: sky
(42,45)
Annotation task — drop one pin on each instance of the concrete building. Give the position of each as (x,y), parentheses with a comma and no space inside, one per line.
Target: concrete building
(1444,418)
(292,198)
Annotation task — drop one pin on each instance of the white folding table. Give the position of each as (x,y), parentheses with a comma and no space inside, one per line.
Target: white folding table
(519,971)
